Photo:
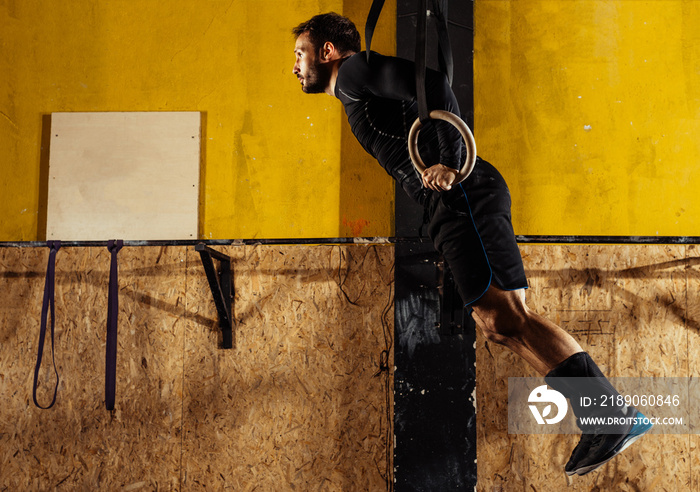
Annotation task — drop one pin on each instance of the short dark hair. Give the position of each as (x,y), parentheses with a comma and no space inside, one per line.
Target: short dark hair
(332,27)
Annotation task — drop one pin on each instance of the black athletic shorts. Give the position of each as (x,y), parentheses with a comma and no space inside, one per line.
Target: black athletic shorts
(470,226)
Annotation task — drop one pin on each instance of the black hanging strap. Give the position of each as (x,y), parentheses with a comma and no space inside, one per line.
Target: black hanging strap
(48,303)
(112,322)
(420,60)
(439,11)
(371,23)
(444,47)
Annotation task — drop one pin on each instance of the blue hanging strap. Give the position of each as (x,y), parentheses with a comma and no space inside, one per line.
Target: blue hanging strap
(112,322)
(49,290)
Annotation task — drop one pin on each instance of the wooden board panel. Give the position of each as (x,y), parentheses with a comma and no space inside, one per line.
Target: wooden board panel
(629,307)
(78,443)
(295,403)
(124,176)
(298,402)
(691,459)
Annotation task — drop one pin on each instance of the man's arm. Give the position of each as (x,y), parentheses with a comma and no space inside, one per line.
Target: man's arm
(394,78)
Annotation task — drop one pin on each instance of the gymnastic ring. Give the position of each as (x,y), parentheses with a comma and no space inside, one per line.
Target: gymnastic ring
(457,122)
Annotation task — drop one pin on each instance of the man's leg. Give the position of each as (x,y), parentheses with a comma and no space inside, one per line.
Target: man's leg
(505,319)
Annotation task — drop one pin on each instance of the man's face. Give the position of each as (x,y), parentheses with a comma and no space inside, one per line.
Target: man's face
(313,75)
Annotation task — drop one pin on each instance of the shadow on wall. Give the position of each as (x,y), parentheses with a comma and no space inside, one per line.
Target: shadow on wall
(44,155)
(594,277)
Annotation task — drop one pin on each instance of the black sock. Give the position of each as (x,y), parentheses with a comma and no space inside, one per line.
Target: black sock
(589,392)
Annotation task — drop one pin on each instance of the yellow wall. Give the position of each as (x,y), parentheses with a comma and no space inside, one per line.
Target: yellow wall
(272,163)
(591,109)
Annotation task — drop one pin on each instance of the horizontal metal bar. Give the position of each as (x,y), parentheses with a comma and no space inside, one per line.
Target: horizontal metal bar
(543,239)
(220,242)
(609,239)
(91,244)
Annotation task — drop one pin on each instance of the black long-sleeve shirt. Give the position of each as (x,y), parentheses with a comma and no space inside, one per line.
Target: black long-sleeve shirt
(380,101)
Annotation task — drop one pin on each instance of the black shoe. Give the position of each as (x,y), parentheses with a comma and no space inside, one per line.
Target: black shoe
(579,452)
(594,450)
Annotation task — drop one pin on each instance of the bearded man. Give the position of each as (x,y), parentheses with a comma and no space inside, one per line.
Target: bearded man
(469,223)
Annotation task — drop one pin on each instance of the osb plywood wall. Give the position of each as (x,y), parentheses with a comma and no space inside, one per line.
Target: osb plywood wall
(636,310)
(299,403)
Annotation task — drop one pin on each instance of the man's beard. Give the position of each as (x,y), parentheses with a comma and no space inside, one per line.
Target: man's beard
(316,79)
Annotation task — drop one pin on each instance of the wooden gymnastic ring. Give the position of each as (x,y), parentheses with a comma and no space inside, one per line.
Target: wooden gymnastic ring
(458,123)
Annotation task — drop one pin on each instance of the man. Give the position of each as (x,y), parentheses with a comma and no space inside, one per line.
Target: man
(469,223)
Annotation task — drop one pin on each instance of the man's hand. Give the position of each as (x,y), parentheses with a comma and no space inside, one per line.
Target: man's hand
(439,177)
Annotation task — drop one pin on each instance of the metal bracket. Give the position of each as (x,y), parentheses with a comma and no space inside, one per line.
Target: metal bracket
(221,284)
